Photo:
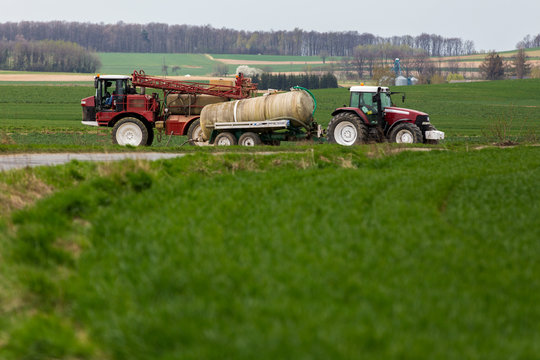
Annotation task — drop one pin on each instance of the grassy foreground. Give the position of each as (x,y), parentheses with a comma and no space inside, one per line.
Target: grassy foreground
(331,253)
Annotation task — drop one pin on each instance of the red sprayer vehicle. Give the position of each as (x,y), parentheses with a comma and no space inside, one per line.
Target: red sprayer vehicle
(134,115)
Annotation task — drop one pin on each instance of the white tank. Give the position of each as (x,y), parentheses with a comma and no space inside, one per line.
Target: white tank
(401,81)
(297,105)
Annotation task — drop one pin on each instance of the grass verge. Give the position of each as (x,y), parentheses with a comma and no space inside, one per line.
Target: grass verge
(329,253)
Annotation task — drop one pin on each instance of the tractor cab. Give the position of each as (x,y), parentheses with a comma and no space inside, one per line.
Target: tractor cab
(111,91)
(116,98)
(371,100)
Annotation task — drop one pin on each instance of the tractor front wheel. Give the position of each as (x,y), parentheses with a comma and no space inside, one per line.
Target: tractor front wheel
(347,129)
(406,133)
(130,131)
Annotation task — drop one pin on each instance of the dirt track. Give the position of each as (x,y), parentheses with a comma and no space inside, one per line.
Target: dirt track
(19,161)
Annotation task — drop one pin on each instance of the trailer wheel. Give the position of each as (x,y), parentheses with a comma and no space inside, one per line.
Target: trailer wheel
(406,133)
(225,139)
(249,139)
(347,129)
(194,134)
(130,131)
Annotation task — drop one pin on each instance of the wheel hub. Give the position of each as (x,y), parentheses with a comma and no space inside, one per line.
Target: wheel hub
(129,134)
(405,137)
(345,133)
(224,142)
(248,142)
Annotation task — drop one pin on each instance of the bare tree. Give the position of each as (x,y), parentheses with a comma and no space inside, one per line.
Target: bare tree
(359,59)
(164,38)
(323,54)
(521,67)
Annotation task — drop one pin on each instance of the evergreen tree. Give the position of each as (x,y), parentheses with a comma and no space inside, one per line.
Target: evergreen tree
(493,67)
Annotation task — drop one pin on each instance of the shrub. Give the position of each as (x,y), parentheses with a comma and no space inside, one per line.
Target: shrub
(454,77)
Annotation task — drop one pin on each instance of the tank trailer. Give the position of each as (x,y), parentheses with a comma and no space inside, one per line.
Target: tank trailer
(224,114)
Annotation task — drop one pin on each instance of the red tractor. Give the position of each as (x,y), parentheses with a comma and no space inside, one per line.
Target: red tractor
(134,115)
(371,116)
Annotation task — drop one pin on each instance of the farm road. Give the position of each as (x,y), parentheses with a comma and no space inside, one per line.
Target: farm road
(18,161)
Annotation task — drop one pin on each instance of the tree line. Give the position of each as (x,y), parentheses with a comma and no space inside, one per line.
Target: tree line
(529,41)
(47,55)
(164,38)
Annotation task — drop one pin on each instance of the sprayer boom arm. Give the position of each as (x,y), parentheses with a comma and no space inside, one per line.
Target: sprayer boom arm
(242,89)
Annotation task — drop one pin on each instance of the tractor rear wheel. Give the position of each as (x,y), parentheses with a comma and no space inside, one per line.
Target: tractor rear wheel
(347,129)
(225,139)
(194,134)
(130,131)
(406,133)
(249,139)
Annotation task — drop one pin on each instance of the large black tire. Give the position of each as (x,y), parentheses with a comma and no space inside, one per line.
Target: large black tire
(225,139)
(150,139)
(347,129)
(130,131)
(194,134)
(249,139)
(406,133)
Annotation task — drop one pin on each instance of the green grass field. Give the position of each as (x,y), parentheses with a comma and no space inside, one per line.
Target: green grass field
(192,64)
(310,251)
(125,63)
(200,64)
(466,111)
(278,58)
(472,112)
(327,253)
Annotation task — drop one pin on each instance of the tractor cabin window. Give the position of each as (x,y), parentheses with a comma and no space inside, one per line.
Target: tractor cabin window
(355,100)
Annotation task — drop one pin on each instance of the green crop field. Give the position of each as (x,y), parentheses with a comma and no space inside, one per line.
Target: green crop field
(467,112)
(269,58)
(202,65)
(195,64)
(325,253)
(125,63)
(305,251)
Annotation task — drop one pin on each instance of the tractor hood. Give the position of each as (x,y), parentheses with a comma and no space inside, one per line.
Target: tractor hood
(394,115)
(88,102)
(403,113)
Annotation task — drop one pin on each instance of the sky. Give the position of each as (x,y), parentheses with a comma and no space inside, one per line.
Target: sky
(491,24)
